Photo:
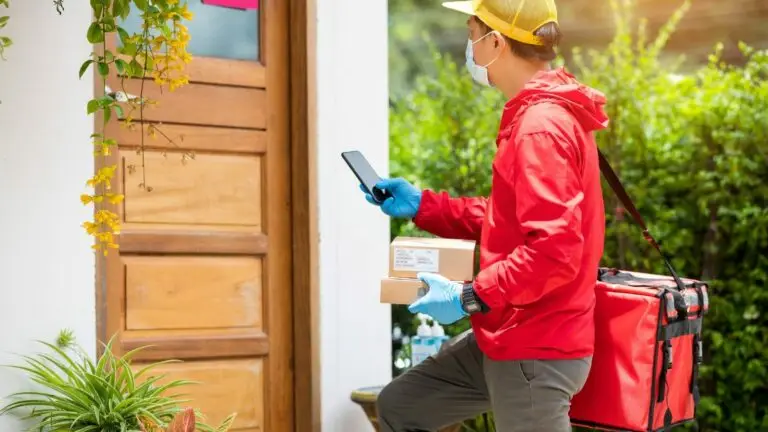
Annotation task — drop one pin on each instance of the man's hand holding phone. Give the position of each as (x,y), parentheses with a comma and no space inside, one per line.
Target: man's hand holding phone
(404,200)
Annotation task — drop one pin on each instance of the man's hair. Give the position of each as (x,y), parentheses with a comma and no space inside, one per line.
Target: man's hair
(549,34)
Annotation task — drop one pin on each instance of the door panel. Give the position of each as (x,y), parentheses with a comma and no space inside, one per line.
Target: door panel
(210,189)
(161,292)
(200,104)
(196,343)
(195,138)
(226,386)
(204,269)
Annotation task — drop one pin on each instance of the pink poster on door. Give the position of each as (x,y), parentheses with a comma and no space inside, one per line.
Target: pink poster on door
(234,4)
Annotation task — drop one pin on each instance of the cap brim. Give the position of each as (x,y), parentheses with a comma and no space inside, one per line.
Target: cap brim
(460,6)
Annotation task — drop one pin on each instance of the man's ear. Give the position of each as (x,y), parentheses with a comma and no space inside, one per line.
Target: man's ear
(498,39)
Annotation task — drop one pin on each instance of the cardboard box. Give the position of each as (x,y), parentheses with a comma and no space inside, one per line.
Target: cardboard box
(402,291)
(453,259)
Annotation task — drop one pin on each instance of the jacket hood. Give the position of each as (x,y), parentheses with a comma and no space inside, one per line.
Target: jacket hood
(559,87)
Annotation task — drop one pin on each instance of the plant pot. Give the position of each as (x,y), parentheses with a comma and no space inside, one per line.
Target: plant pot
(366,398)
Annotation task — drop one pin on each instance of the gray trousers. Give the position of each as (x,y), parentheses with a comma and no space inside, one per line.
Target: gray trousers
(460,383)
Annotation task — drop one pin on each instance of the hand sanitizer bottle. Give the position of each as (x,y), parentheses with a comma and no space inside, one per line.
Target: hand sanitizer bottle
(438,334)
(423,345)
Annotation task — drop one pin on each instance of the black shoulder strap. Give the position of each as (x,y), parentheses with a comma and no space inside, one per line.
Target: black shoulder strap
(626,201)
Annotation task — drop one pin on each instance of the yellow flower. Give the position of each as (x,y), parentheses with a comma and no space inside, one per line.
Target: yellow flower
(102,149)
(115,198)
(90,227)
(186,14)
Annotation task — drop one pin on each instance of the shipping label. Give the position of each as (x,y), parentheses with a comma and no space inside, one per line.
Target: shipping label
(416,260)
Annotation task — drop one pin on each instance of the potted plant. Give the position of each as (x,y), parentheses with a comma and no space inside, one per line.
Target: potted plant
(76,393)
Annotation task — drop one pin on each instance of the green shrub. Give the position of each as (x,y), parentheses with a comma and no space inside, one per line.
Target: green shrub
(692,150)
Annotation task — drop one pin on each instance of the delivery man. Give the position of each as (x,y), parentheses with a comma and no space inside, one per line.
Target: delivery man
(541,236)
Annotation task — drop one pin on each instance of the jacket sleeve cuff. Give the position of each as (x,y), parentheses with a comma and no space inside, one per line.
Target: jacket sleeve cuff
(487,287)
(428,212)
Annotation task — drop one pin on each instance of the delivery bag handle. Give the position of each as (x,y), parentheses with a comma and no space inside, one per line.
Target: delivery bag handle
(626,201)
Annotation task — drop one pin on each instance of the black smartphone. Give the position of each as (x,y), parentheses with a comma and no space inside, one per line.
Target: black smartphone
(365,174)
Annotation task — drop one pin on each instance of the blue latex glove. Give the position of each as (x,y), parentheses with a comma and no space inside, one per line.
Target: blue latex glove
(405,199)
(443,300)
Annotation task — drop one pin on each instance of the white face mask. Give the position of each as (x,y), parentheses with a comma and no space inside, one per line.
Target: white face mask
(479,73)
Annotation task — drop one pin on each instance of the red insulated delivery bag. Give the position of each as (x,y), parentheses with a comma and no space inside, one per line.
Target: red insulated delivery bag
(648,346)
(647,354)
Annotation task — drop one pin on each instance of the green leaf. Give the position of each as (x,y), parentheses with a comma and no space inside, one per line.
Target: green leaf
(166,30)
(149,63)
(142,5)
(95,34)
(84,67)
(123,34)
(119,111)
(93,105)
(103,69)
(119,7)
(4,21)
(226,424)
(129,49)
(120,65)
(108,23)
(98,7)
(5,41)
(107,114)
(136,69)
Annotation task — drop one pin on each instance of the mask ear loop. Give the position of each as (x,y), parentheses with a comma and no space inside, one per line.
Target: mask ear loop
(483,37)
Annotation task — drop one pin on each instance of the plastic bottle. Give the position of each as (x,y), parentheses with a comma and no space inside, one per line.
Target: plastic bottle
(423,345)
(438,334)
(397,333)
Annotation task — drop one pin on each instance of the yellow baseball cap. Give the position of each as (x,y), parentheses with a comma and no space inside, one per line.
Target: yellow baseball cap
(516,19)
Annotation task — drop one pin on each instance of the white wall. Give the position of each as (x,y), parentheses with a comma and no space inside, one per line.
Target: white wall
(46,266)
(351,109)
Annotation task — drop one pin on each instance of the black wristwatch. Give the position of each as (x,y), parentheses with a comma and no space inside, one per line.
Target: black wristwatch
(470,302)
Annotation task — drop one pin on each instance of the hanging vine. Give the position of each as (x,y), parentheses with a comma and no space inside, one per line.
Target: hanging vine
(158,51)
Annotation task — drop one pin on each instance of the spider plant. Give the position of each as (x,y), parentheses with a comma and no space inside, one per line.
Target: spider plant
(79,394)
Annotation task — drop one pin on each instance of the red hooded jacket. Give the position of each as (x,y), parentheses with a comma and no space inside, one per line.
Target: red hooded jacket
(541,231)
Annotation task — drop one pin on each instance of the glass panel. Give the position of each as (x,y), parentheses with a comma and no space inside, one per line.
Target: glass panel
(215,31)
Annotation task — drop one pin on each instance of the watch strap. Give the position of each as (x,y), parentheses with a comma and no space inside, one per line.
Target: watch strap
(471,303)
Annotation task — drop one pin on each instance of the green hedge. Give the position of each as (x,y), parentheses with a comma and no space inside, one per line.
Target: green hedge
(692,150)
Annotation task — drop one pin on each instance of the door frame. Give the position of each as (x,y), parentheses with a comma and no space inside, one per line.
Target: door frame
(306,285)
(295,29)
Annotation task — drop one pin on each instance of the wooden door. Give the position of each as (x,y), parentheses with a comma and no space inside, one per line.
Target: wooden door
(204,272)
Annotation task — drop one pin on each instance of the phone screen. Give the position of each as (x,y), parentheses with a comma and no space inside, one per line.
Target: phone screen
(364,173)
